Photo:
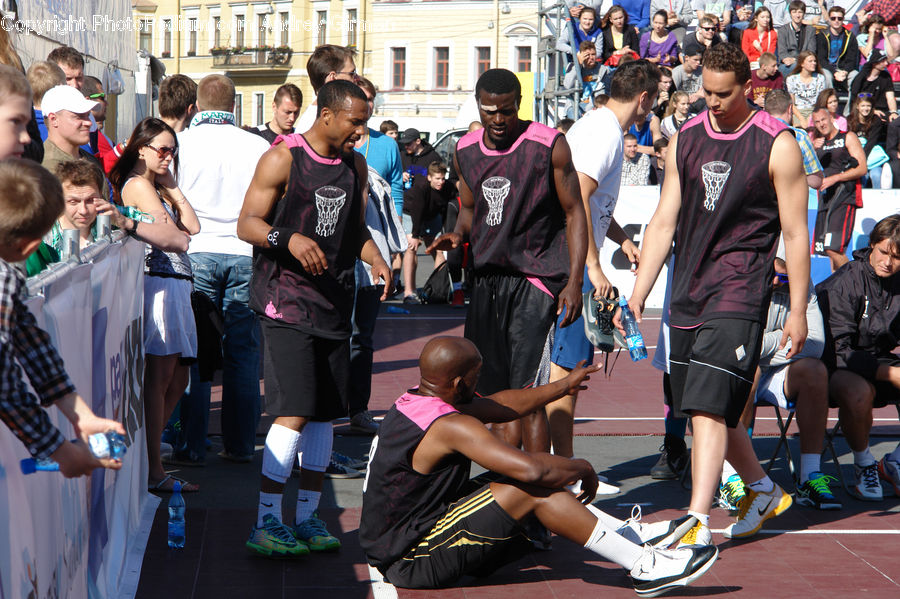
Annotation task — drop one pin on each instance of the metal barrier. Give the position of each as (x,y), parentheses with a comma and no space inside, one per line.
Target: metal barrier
(60,269)
(551,97)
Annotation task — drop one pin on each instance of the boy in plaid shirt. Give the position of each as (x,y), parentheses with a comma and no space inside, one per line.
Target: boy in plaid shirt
(30,201)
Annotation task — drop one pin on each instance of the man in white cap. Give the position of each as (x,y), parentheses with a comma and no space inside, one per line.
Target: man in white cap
(67,116)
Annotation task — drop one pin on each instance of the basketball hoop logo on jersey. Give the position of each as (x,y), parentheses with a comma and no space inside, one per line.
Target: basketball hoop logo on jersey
(495,190)
(329,201)
(715,174)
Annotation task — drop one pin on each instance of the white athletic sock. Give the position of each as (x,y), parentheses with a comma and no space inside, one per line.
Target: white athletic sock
(763,485)
(307,503)
(894,456)
(809,463)
(703,518)
(864,457)
(613,547)
(727,471)
(269,503)
(280,452)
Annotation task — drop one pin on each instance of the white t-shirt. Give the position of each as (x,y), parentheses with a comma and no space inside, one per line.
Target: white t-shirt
(306,120)
(217,163)
(596,143)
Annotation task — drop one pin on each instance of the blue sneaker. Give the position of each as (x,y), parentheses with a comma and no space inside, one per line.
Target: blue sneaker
(815,493)
(312,533)
(274,539)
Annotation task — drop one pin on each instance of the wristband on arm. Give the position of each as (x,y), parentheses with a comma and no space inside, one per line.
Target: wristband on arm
(279,237)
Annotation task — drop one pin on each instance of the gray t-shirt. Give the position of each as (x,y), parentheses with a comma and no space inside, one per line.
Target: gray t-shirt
(687,82)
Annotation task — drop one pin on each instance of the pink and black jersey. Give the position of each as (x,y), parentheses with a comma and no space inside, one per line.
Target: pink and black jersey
(401,505)
(728,226)
(518,226)
(323,202)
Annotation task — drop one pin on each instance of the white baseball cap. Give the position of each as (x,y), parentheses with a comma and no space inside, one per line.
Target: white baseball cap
(65,97)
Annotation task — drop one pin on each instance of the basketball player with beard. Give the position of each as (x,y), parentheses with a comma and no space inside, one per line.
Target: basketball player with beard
(724,213)
(305,214)
(521,211)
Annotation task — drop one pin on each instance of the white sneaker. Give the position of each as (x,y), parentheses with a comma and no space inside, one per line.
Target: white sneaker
(661,570)
(698,535)
(868,486)
(658,534)
(889,470)
(754,509)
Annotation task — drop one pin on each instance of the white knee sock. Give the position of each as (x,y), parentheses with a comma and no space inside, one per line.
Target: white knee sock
(316,442)
(809,463)
(614,547)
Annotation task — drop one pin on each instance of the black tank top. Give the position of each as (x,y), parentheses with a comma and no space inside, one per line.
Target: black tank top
(518,226)
(323,202)
(834,155)
(728,225)
(400,505)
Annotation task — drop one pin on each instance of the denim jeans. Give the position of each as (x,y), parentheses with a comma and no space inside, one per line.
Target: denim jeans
(225,278)
(365,312)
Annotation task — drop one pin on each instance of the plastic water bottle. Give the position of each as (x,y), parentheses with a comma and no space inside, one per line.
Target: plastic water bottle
(397,310)
(409,180)
(176,518)
(632,333)
(101,445)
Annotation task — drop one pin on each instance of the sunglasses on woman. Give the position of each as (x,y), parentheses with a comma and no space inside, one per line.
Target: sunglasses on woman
(163,151)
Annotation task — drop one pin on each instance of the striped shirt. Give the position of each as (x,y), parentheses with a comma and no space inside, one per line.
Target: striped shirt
(23,344)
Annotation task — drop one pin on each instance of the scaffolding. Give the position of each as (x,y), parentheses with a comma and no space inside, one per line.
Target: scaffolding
(552,99)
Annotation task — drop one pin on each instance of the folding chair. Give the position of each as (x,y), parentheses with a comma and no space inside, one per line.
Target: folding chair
(829,447)
(765,398)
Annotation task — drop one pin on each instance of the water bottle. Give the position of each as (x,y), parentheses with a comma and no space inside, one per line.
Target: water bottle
(632,333)
(397,310)
(409,180)
(101,445)
(176,518)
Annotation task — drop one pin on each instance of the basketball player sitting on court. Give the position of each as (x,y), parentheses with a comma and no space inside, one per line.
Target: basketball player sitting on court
(424,524)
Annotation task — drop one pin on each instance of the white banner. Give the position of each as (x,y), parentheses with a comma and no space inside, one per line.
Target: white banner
(70,537)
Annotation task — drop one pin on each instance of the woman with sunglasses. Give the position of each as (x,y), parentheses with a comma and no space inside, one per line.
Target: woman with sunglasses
(872,132)
(759,37)
(142,180)
(805,84)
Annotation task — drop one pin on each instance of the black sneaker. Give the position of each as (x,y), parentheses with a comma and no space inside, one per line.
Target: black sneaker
(412,300)
(661,469)
(815,493)
(598,315)
(672,460)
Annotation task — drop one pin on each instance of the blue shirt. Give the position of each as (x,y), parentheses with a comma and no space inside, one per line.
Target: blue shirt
(39,119)
(383,154)
(644,135)
(638,12)
(834,51)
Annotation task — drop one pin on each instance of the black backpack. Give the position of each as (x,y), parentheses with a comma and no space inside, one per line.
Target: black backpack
(438,288)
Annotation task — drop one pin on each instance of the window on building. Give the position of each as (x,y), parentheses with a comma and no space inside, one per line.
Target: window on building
(398,68)
(351,27)
(145,37)
(523,58)
(482,60)
(322,23)
(192,36)
(261,27)
(442,68)
(239,25)
(285,28)
(217,34)
(239,108)
(167,37)
(259,107)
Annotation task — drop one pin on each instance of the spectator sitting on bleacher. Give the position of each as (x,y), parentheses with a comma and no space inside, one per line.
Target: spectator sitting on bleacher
(805,84)
(871,131)
(794,37)
(759,37)
(721,9)
(30,201)
(874,82)
(861,306)
(591,77)
(780,10)
(688,78)
(619,37)
(872,38)
(828,99)
(588,29)
(679,15)
(890,10)
(764,79)
(705,37)
(837,50)
(638,13)
(658,45)
(635,165)
(677,113)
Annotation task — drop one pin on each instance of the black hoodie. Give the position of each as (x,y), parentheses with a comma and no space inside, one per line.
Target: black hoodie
(862,316)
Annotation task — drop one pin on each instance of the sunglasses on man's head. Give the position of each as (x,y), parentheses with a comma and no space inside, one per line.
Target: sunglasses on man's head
(98,96)
(163,151)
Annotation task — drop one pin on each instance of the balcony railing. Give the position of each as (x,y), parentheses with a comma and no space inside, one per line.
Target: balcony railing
(253,59)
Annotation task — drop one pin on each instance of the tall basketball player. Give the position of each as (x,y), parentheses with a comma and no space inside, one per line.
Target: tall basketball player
(304,213)
(739,181)
(522,213)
